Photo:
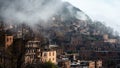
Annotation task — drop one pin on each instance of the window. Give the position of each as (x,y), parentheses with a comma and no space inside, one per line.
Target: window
(7,39)
(53,59)
(45,54)
(33,51)
(10,39)
(53,53)
(49,53)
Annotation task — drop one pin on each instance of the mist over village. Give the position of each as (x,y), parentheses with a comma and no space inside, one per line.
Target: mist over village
(54,34)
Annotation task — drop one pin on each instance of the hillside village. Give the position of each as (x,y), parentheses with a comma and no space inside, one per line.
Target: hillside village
(66,41)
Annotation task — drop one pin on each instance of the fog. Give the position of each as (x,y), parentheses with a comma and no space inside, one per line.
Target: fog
(28,11)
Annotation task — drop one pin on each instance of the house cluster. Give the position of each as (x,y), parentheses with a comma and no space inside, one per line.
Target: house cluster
(78,54)
(6,40)
(109,40)
(81,64)
(34,53)
(68,62)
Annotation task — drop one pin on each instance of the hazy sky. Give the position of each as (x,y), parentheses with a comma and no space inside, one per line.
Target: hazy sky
(107,11)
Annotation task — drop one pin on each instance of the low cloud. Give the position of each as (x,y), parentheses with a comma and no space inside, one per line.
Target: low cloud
(28,11)
(102,10)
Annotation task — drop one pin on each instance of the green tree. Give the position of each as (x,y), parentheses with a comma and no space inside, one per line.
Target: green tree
(1,66)
(49,65)
(41,65)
